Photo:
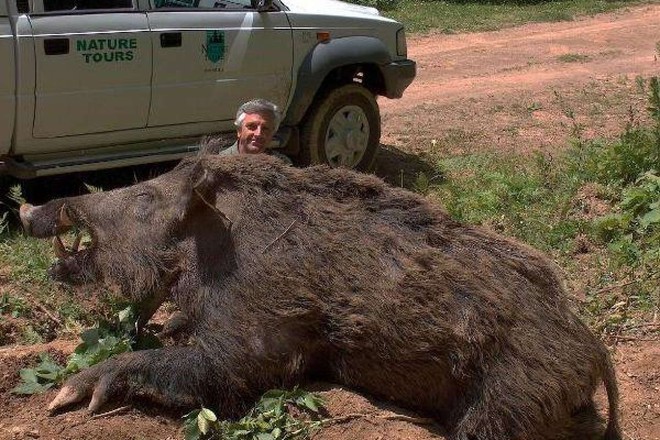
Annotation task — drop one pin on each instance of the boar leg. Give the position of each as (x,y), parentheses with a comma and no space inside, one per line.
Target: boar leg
(173,376)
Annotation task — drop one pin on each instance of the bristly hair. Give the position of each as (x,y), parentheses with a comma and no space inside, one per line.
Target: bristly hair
(213,144)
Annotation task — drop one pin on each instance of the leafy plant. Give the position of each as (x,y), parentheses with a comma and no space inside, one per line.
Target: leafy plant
(93,189)
(637,151)
(16,194)
(39,379)
(98,344)
(12,306)
(4,224)
(643,201)
(269,419)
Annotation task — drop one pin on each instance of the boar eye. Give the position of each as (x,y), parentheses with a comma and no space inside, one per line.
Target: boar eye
(144,202)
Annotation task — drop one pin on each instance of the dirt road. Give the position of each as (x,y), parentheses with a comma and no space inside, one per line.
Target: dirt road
(523,89)
(512,89)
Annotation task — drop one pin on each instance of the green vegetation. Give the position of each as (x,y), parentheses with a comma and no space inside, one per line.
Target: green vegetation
(270,419)
(573,58)
(487,15)
(98,344)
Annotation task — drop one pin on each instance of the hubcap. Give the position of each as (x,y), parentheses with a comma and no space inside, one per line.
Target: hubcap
(347,137)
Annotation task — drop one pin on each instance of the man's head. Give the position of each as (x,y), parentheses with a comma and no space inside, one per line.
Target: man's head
(256,122)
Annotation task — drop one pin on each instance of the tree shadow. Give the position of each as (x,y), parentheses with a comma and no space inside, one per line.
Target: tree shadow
(403,169)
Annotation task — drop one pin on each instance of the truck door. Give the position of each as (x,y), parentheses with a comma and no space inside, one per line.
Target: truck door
(93,67)
(210,56)
(7,80)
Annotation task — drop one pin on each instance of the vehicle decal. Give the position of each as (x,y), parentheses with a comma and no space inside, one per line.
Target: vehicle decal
(108,50)
(214,50)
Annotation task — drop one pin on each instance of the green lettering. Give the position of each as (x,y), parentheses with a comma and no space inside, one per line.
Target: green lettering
(112,44)
(92,45)
(133,44)
(119,56)
(87,55)
(101,44)
(81,45)
(123,43)
(97,57)
(129,55)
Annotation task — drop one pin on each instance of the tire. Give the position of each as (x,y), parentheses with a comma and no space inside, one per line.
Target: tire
(342,129)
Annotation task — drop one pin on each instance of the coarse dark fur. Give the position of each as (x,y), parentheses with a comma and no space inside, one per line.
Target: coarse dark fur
(287,274)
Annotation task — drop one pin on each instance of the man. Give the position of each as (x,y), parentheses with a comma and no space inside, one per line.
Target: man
(256,121)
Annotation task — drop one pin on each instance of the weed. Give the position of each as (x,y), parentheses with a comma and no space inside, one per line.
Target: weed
(270,418)
(98,344)
(534,106)
(573,58)
(12,306)
(4,223)
(92,189)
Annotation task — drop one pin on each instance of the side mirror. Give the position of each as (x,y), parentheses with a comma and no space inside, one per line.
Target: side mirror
(262,5)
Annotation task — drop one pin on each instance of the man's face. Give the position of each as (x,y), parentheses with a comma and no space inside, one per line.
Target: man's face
(255,133)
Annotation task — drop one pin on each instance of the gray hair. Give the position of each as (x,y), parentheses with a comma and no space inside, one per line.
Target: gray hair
(258,106)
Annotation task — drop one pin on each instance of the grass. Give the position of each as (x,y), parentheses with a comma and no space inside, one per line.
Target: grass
(456,17)
(573,58)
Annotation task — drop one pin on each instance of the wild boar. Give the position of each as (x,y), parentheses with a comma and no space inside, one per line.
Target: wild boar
(287,274)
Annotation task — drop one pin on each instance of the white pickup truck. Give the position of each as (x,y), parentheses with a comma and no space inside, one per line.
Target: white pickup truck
(91,84)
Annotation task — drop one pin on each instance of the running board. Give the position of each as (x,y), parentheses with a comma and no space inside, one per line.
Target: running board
(38,168)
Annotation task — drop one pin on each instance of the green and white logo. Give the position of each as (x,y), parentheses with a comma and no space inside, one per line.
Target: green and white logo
(215,46)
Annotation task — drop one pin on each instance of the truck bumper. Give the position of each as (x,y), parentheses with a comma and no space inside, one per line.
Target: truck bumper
(398,75)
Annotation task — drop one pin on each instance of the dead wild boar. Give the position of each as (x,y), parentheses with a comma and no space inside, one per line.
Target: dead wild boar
(289,274)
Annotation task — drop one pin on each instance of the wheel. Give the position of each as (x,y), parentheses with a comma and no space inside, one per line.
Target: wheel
(342,129)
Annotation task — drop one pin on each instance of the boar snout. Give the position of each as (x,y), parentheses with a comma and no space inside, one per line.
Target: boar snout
(46,220)
(25,212)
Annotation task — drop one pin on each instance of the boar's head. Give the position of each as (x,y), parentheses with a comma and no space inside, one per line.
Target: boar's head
(137,234)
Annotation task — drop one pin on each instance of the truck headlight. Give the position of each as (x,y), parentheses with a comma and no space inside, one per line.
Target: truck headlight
(401,46)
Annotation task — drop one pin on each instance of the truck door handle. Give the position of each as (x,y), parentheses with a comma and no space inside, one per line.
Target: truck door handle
(56,46)
(170,39)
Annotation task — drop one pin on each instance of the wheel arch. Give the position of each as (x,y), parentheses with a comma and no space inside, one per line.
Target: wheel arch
(333,64)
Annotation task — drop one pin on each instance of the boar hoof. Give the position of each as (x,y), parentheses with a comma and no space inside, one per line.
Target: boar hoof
(65,397)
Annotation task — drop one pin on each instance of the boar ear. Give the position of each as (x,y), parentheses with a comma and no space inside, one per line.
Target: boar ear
(199,193)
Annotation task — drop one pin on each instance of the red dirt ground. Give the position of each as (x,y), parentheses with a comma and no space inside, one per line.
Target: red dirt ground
(520,90)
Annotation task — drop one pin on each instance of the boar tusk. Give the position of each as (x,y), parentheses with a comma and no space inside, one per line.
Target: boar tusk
(76,242)
(65,221)
(60,250)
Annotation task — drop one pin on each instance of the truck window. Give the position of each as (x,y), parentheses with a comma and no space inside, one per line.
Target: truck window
(203,4)
(85,5)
